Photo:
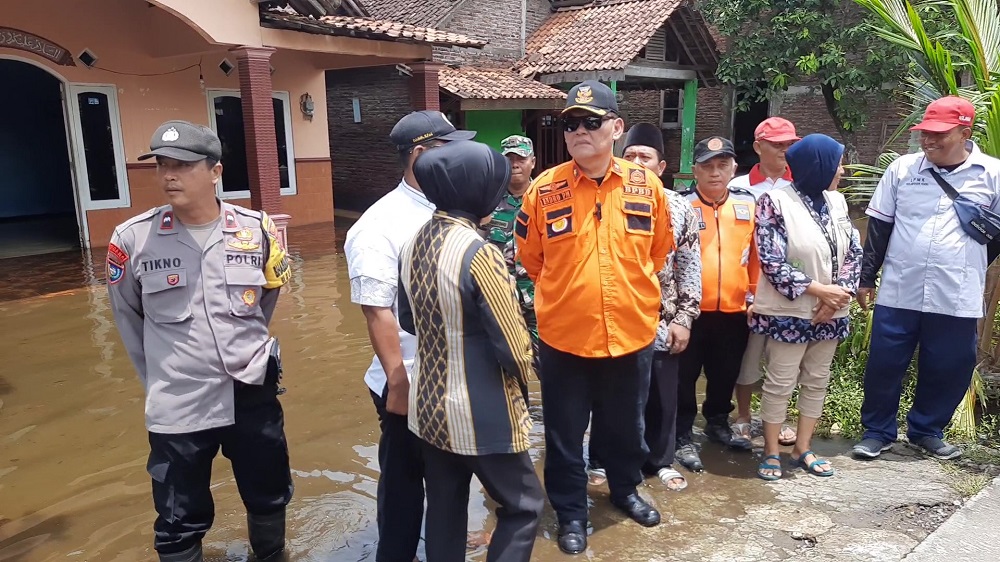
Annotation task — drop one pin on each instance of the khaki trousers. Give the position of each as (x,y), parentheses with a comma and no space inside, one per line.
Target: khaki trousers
(789,364)
(750,370)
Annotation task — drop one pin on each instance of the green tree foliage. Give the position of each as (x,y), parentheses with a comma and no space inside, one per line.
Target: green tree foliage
(774,44)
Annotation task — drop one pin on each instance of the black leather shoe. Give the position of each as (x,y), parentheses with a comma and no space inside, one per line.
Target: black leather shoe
(720,432)
(687,455)
(573,537)
(637,509)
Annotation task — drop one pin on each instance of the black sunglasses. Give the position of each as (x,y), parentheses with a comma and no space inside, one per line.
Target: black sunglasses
(590,122)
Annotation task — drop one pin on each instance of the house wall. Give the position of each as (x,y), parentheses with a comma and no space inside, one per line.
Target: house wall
(122,33)
(498,21)
(365,164)
(493,126)
(364,161)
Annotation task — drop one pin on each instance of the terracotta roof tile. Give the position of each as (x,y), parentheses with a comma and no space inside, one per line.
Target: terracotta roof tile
(414,12)
(602,35)
(366,28)
(493,84)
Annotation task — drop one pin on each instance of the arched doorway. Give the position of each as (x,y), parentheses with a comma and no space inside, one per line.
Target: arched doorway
(38,210)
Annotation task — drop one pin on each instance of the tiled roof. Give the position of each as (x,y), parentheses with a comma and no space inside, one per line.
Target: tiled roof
(494,84)
(602,35)
(366,28)
(414,12)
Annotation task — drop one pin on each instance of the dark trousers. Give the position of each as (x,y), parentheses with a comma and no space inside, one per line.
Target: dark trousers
(661,412)
(614,391)
(660,416)
(718,340)
(509,479)
(945,362)
(400,487)
(181,469)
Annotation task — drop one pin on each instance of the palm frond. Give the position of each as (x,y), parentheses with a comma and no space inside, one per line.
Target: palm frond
(981,31)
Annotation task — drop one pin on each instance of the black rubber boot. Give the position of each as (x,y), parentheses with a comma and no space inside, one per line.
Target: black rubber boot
(192,554)
(267,535)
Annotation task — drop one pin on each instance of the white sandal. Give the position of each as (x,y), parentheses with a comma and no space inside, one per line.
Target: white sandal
(667,474)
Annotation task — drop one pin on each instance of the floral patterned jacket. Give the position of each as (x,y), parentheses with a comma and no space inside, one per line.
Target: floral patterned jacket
(772,246)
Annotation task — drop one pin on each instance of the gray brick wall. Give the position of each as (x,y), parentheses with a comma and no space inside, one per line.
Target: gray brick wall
(364,161)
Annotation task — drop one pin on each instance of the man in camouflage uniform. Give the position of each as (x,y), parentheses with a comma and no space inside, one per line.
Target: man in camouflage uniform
(520,151)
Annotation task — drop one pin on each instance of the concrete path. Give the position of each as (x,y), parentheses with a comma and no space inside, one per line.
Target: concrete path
(971,535)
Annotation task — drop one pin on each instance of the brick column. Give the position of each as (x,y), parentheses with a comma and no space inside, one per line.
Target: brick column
(258,126)
(424,86)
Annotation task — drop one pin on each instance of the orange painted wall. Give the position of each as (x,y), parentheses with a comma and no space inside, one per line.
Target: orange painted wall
(131,37)
(312,204)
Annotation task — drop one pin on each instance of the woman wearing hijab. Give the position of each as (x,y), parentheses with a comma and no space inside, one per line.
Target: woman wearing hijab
(468,397)
(810,255)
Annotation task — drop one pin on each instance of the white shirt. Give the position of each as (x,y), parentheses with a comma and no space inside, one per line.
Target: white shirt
(372,248)
(764,184)
(931,264)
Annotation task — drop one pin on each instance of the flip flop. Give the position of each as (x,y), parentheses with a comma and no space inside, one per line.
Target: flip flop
(811,467)
(768,466)
(668,474)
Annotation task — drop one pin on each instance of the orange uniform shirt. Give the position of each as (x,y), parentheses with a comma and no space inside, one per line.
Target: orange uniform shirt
(593,252)
(730,267)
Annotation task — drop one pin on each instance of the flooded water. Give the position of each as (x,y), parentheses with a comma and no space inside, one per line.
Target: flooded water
(73,484)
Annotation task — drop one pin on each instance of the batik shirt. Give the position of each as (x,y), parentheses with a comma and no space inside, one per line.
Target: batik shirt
(470,380)
(500,231)
(772,247)
(680,278)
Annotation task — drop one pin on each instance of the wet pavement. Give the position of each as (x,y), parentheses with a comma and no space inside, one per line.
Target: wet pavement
(73,448)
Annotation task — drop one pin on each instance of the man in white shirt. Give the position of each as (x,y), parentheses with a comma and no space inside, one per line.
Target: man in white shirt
(372,248)
(772,138)
(933,272)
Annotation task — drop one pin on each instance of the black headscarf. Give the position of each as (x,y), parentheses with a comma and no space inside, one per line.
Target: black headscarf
(814,161)
(463,178)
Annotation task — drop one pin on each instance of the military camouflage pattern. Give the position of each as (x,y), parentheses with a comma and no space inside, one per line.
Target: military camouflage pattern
(500,231)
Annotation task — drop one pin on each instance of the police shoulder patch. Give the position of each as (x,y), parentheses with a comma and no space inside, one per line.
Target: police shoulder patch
(116,263)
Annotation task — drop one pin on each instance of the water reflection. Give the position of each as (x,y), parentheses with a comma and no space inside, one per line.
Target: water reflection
(73,448)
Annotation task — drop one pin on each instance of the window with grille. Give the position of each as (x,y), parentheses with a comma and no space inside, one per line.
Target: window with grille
(671,108)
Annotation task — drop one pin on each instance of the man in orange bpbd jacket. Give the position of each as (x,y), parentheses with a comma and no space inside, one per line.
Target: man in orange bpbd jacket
(729,272)
(592,233)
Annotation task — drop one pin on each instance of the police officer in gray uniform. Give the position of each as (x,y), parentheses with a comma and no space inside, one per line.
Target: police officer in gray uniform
(193,285)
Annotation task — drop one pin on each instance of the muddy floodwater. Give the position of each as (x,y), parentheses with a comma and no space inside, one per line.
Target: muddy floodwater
(73,484)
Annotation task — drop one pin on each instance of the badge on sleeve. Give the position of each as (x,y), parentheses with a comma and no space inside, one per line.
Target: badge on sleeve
(249,297)
(637,177)
(277,271)
(117,258)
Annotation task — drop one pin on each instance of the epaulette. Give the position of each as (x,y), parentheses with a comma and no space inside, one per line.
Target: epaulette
(740,192)
(544,177)
(141,217)
(248,212)
(685,192)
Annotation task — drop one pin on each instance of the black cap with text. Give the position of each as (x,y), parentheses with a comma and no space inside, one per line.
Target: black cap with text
(423,126)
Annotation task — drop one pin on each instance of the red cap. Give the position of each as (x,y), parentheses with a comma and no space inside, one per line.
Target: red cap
(945,114)
(775,129)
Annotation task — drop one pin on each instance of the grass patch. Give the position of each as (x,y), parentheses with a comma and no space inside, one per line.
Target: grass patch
(967,483)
